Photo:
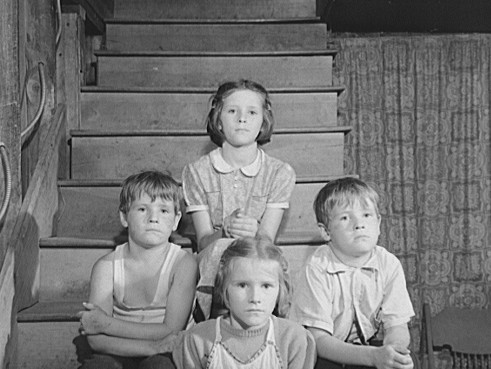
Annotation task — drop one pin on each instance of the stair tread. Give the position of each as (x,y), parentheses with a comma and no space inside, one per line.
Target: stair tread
(110,53)
(206,90)
(292,238)
(117,182)
(190,132)
(52,311)
(128,20)
(65,241)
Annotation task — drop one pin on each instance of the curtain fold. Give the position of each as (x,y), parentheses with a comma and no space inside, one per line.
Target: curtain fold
(419,107)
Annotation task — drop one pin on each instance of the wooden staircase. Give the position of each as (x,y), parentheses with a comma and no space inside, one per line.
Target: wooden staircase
(161,63)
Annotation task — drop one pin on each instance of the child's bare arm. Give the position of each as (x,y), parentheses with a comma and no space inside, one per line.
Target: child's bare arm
(131,347)
(205,234)
(385,357)
(179,304)
(398,336)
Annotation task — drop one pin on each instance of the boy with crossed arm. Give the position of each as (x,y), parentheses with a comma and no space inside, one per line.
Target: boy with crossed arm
(142,293)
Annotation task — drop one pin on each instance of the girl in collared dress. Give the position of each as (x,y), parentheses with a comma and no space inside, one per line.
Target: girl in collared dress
(252,282)
(236,190)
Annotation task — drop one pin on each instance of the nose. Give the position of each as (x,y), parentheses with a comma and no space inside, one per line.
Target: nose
(359,223)
(152,216)
(255,295)
(242,117)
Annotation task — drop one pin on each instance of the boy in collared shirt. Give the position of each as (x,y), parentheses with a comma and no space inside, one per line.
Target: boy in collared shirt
(353,292)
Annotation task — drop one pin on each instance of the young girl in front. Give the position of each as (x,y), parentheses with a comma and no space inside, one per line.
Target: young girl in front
(236,190)
(252,282)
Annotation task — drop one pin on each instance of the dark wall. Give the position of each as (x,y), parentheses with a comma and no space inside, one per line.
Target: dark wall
(439,16)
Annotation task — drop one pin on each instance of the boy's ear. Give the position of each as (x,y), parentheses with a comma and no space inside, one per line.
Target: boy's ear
(324,232)
(122,218)
(176,220)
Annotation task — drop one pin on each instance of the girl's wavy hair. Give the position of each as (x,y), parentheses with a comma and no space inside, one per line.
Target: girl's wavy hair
(260,249)
(153,183)
(343,192)
(213,124)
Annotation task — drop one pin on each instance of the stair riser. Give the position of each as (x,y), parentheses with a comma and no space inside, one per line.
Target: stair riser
(213,9)
(49,345)
(210,71)
(117,157)
(65,272)
(209,37)
(147,111)
(93,213)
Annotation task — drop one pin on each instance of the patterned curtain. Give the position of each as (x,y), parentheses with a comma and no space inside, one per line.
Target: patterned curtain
(419,108)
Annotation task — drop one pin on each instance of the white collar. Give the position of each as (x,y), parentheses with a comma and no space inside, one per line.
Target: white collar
(222,166)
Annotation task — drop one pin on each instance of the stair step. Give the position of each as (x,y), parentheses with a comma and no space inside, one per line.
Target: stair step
(146,108)
(152,69)
(50,345)
(215,36)
(48,336)
(88,211)
(211,9)
(104,157)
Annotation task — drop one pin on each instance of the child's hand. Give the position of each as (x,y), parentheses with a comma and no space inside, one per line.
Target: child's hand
(392,357)
(93,320)
(239,225)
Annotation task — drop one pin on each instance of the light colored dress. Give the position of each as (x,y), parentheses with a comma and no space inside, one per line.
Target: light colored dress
(267,356)
(211,184)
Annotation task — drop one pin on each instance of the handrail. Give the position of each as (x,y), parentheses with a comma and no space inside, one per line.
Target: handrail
(25,133)
(58,13)
(8,181)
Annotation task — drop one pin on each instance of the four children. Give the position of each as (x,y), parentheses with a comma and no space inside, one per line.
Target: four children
(351,293)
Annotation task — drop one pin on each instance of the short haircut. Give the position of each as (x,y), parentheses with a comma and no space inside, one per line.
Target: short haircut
(260,249)
(153,183)
(213,124)
(342,192)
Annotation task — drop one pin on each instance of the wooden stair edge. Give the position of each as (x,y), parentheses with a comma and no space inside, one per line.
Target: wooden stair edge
(204,54)
(220,21)
(206,90)
(51,311)
(194,132)
(72,242)
(284,239)
(117,182)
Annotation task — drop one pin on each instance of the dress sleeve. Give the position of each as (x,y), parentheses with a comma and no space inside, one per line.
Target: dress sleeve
(282,187)
(312,305)
(299,345)
(193,190)
(397,308)
(190,353)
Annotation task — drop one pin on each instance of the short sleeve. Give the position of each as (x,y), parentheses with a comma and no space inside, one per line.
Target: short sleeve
(397,308)
(193,190)
(303,353)
(296,344)
(282,187)
(194,347)
(312,305)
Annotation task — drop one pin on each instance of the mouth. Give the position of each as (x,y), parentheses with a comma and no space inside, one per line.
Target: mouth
(255,311)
